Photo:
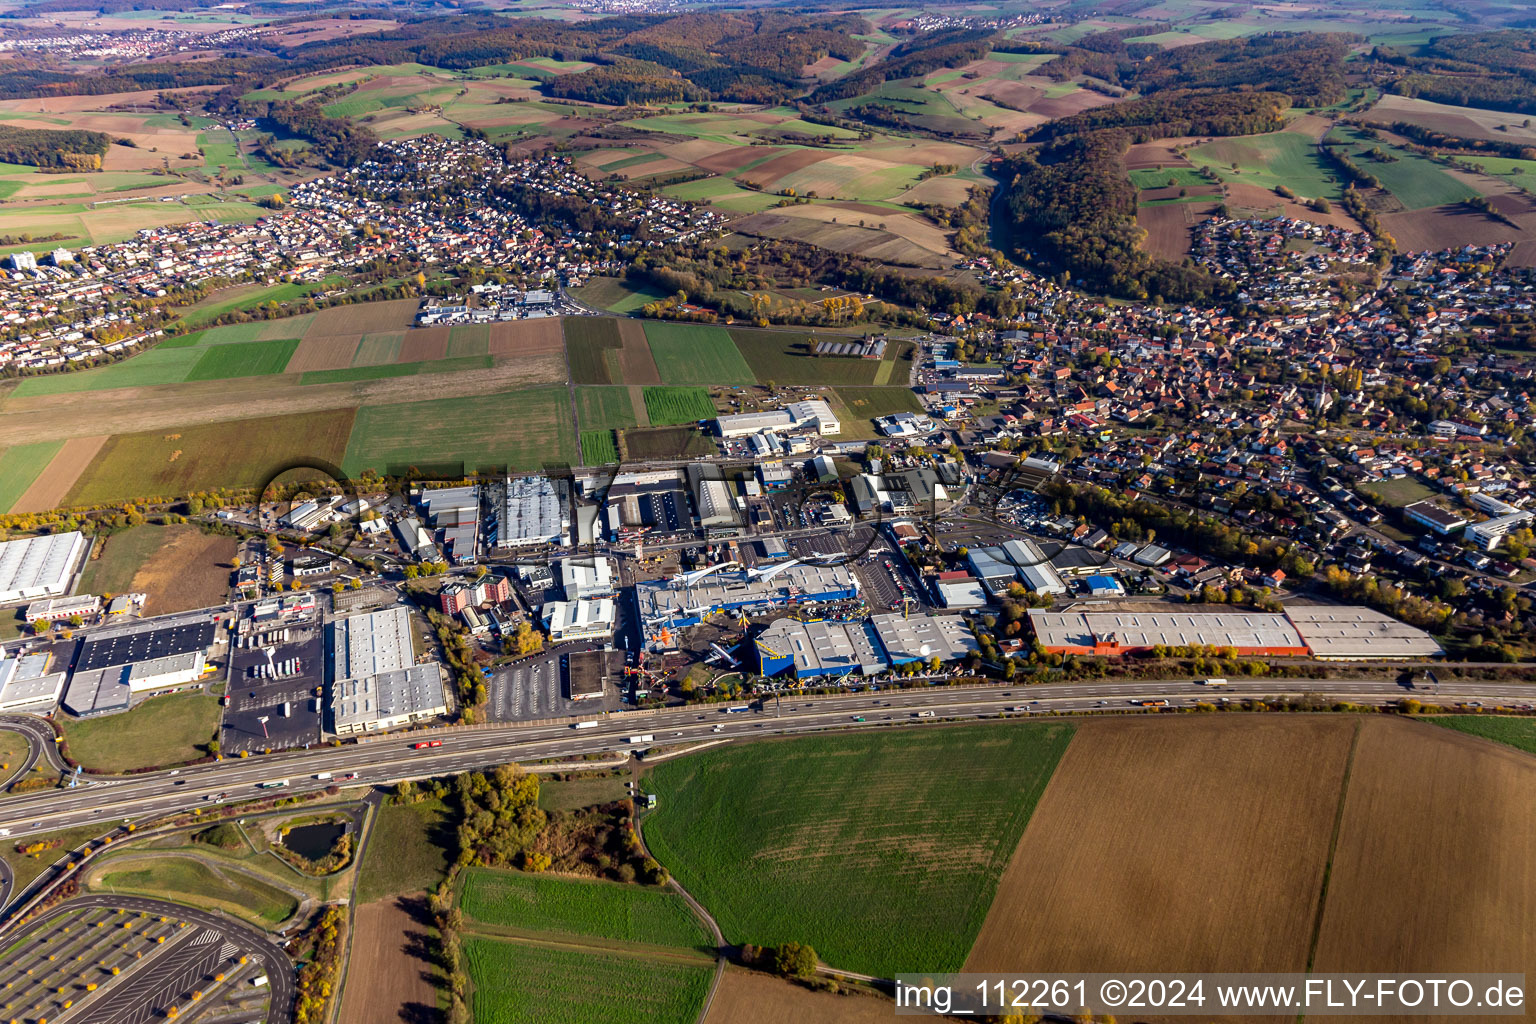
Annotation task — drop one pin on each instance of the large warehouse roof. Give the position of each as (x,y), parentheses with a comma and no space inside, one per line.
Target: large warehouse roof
(1350,632)
(38,566)
(823,648)
(924,636)
(367,645)
(1151,627)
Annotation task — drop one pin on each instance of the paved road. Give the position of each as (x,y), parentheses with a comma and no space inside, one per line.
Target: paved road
(40,743)
(257,945)
(391,759)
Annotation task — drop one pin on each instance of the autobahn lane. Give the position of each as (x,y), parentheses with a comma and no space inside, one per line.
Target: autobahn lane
(389,760)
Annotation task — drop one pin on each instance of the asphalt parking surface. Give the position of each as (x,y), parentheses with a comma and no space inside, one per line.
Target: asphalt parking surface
(252,698)
(536,689)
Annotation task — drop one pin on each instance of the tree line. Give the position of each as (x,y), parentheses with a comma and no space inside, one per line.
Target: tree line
(53,150)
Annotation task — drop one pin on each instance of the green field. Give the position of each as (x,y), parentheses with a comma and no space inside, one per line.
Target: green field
(183,880)
(1279,158)
(591,346)
(251,359)
(20,466)
(573,794)
(785,357)
(576,907)
(616,295)
(249,296)
(687,354)
(868,403)
(27,867)
(1416,182)
(450,365)
(161,731)
(408,850)
(669,407)
(1151,177)
(469,340)
(1521,173)
(1404,490)
(122,555)
(1516,732)
(237,453)
(605,408)
(527,429)
(599,447)
(160,365)
(516,983)
(881,850)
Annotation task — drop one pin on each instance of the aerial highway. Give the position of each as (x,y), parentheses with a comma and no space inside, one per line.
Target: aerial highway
(392,758)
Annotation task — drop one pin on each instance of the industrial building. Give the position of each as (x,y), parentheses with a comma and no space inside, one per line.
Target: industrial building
(913,490)
(714,501)
(1323,631)
(813,414)
(685,599)
(1022,560)
(533,511)
(415,540)
(822,648)
(456,512)
(36,567)
(810,650)
(586,675)
(589,619)
(1134,631)
(27,685)
(959,589)
(375,681)
(1352,633)
(59,609)
(114,666)
(586,577)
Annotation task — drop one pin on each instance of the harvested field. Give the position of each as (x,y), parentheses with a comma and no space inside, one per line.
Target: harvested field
(391,976)
(366,317)
(1452,814)
(591,345)
(1468,122)
(784,164)
(178,568)
(47,491)
(378,349)
(469,340)
(527,338)
(1252,200)
(918,230)
(329,352)
(20,467)
(424,344)
(1236,839)
(846,238)
(750,997)
(667,443)
(236,453)
(1171,228)
(636,363)
(729,160)
(1444,226)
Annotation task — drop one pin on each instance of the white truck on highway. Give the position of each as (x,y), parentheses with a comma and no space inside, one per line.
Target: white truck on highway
(324,776)
(583,725)
(646,738)
(1215,681)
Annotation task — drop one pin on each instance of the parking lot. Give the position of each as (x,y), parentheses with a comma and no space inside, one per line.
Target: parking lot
(253,697)
(536,689)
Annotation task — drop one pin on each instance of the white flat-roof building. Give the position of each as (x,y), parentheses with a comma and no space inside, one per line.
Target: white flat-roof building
(27,685)
(375,683)
(532,513)
(586,577)
(589,619)
(35,567)
(57,609)
(812,414)
(904,639)
(1490,533)
(1353,633)
(167,672)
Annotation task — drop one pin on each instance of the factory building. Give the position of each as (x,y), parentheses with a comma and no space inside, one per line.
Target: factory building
(375,682)
(921,637)
(59,609)
(913,490)
(1434,517)
(685,599)
(1023,561)
(114,666)
(533,512)
(714,501)
(1359,634)
(36,567)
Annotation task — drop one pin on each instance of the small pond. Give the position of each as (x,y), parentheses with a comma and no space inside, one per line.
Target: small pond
(314,841)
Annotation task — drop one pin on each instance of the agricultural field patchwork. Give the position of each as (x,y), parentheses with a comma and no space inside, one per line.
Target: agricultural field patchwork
(1287,159)
(787,357)
(517,983)
(667,407)
(525,429)
(880,850)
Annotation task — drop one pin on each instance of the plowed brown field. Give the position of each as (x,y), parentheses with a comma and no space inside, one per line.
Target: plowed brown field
(747,997)
(388,977)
